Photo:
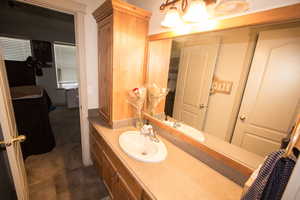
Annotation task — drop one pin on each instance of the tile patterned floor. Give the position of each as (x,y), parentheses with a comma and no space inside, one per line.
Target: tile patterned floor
(60,174)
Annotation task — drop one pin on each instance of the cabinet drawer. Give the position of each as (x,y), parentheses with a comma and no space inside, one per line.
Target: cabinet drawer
(132,183)
(96,136)
(146,196)
(121,190)
(98,164)
(109,175)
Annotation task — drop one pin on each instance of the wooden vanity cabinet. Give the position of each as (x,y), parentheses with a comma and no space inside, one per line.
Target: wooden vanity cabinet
(145,196)
(105,45)
(109,175)
(122,39)
(121,190)
(120,183)
(96,154)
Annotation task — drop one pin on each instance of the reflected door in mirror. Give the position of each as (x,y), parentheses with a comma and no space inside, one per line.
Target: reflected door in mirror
(196,69)
(272,96)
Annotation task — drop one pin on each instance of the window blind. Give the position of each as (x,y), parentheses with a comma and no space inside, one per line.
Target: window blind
(15,49)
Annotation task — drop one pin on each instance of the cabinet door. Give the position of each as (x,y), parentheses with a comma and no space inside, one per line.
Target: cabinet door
(121,190)
(109,175)
(96,152)
(96,155)
(105,35)
(146,196)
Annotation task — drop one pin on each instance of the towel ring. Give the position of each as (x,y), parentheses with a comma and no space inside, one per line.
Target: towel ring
(294,140)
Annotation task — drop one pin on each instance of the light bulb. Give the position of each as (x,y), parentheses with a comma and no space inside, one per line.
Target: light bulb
(196,12)
(172,18)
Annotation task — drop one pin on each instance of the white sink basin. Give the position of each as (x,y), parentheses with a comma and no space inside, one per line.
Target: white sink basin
(188,130)
(142,148)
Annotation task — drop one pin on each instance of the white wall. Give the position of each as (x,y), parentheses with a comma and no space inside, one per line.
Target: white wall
(293,188)
(48,81)
(157,15)
(91,48)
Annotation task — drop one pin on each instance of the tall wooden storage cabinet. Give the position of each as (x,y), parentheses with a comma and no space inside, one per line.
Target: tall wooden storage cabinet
(122,37)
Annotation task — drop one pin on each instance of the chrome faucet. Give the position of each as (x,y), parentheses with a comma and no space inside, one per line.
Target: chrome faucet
(148,131)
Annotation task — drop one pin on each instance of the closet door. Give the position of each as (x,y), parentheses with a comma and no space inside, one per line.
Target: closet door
(271,100)
(105,46)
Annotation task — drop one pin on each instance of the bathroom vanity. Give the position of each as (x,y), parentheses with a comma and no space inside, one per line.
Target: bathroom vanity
(219,130)
(179,176)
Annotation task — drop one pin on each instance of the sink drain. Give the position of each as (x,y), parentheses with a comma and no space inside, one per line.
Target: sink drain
(144,153)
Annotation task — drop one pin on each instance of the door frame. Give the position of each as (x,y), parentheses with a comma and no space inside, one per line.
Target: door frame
(78,10)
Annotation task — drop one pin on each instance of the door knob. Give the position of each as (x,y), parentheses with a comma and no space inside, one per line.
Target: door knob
(243,117)
(20,138)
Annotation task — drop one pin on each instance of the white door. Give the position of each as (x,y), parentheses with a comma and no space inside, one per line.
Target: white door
(196,69)
(272,96)
(10,133)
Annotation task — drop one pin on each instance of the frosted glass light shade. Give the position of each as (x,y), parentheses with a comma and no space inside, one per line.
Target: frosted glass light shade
(226,7)
(196,12)
(172,18)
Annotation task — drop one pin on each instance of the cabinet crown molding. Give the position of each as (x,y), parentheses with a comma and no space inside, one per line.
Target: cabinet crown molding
(109,6)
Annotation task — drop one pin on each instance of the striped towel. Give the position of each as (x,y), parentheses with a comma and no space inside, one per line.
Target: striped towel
(272,178)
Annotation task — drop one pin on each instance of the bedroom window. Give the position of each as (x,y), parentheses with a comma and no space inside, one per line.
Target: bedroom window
(65,63)
(15,49)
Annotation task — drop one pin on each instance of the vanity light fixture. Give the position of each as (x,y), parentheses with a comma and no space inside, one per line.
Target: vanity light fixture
(192,11)
(172,18)
(195,11)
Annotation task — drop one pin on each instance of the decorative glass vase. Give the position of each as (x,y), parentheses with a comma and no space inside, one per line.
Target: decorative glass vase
(155,96)
(136,99)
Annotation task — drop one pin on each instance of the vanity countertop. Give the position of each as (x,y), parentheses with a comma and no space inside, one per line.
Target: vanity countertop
(179,177)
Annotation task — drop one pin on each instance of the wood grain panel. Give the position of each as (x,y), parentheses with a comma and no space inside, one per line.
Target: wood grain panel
(146,196)
(108,6)
(105,45)
(129,52)
(121,190)
(273,16)
(159,54)
(122,47)
(109,175)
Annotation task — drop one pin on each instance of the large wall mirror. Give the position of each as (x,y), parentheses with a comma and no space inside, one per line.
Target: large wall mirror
(240,86)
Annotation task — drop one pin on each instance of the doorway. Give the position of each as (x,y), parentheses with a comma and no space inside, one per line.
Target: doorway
(58,171)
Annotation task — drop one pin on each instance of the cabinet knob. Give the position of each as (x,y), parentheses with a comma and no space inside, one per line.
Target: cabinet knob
(243,117)
(202,106)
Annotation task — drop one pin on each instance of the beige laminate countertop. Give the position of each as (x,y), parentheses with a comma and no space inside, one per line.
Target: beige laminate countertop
(179,177)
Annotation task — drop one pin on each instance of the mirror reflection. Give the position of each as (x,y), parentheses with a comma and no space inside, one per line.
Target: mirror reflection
(241,86)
